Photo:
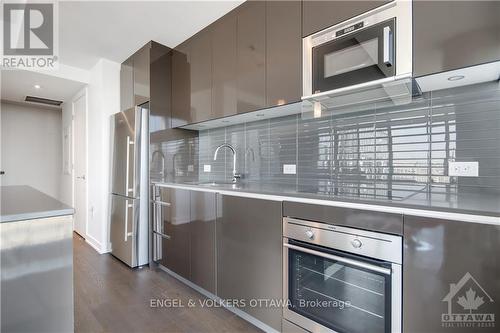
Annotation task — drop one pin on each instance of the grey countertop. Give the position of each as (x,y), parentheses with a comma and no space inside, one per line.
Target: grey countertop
(439,199)
(19,203)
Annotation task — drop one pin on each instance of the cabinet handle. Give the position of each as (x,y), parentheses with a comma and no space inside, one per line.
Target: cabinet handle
(388,46)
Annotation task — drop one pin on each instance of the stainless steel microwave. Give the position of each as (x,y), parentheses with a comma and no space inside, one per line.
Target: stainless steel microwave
(369,49)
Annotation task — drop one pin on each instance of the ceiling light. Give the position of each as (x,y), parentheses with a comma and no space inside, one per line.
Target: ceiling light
(456,77)
(37,86)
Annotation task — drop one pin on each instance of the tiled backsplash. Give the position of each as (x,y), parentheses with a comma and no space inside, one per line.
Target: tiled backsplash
(383,151)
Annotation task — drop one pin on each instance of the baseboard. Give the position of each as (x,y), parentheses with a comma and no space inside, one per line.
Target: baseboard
(94,243)
(266,328)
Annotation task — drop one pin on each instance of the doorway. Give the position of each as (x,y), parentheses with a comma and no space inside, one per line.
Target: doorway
(79,107)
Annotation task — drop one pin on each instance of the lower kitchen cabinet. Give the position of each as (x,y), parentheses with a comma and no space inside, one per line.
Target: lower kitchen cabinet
(449,268)
(176,217)
(189,222)
(249,263)
(202,240)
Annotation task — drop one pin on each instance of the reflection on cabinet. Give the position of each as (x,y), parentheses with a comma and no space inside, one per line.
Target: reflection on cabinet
(224,66)
(283,52)
(440,254)
(189,220)
(249,242)
(251,56)
(127,84)
(454,34)
(318,15)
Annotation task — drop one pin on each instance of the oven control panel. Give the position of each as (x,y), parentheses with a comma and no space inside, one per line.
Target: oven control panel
(362,242)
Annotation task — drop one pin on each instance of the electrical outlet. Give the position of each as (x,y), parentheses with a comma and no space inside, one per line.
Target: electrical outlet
(289,169)
(207,168)
(463,169)
(190,168)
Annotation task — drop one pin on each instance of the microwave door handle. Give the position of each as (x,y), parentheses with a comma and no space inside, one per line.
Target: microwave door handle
(388,46)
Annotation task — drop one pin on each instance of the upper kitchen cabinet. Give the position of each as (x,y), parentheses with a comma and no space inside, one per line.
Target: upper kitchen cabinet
(127,84)
(146,77)
(318,15)
(141,75)
(160,88)
(251,56)
(181,87)
(192,74)
(283,52)
(224,41)
(200,65)
(454,34)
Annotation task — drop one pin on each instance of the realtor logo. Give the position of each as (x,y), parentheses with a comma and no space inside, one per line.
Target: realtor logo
(29,35)
(467,305)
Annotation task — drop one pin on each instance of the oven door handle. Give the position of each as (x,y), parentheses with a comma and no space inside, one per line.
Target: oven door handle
(370,267)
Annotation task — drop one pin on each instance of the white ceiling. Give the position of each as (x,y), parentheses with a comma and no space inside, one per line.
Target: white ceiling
(114,30)
(16,84)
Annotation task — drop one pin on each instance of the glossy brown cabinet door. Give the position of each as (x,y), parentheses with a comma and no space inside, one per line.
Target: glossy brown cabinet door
(449,265)
(318,15)
(141,75)
(160,105)
(202,240)
(127,84)
(283,52)
(454,34)
(224,41)
(251,56)
(176,250)
(249,243)
(181,86)
(200,65)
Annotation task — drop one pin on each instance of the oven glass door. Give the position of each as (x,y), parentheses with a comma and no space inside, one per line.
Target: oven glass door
(344,295)
(359,57)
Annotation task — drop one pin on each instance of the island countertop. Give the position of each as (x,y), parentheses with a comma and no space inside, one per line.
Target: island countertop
(18,203)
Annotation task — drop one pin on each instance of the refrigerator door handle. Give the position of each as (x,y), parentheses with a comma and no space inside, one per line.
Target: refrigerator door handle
(127,206)
(127,166)
(126,218)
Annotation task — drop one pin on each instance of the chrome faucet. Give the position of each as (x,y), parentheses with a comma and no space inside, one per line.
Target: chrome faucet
(236,176)
(160,153)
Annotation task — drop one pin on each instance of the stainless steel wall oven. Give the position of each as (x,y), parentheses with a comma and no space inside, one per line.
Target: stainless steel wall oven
(340,279)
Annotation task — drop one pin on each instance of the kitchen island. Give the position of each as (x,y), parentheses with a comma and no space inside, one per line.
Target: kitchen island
(36,255)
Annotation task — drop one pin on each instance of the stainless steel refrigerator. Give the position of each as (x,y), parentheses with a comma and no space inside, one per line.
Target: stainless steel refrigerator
(129,189)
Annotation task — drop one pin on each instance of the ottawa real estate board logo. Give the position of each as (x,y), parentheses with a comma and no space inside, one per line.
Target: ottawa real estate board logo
(30,35)
(469,305)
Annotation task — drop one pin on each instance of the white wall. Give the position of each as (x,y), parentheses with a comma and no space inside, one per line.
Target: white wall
(103,101)
(31,147)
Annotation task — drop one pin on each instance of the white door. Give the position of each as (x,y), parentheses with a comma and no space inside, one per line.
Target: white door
(80,164)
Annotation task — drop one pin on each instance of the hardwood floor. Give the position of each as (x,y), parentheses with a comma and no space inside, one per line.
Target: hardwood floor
(110,297)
